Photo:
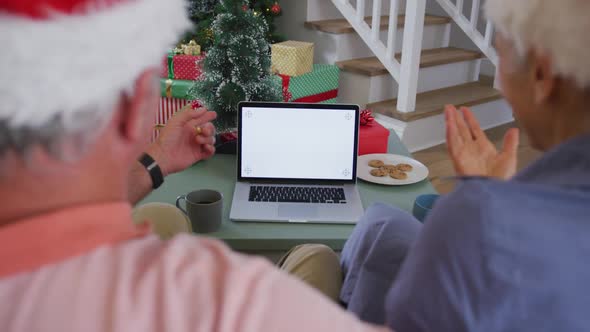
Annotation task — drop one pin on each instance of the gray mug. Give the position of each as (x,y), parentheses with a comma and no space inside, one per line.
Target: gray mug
(204,209)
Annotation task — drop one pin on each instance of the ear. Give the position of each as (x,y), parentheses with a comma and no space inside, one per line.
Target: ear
(134,110)
(544,77)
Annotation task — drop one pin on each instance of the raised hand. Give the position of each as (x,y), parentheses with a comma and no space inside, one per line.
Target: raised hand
(188,137)
(472,153)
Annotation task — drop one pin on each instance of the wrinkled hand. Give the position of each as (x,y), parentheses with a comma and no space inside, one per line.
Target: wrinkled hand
(179,145)
(473,154)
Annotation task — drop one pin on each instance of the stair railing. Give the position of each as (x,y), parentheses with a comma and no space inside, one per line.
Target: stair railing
(469,26)
(405,72)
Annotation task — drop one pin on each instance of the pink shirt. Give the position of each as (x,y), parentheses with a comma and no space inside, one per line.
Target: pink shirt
(89,269)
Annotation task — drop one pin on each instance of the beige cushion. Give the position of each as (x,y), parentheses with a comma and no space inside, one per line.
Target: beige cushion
(166,219)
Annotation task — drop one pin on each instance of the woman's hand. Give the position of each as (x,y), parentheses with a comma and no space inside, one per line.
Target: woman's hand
(472,153)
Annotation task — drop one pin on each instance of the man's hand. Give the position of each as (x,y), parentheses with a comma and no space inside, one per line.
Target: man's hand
(181,144)
(473,154)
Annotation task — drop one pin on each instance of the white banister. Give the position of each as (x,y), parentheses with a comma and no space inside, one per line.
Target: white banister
(469,26)
(376,24)
(460,6)
(364,31)
(360,10)
(411,51)
(474,13)
(489,33)
(392,28)
(406,71)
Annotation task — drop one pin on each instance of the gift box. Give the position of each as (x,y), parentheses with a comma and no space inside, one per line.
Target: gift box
(181,66)
(292,58)
(174,97)
(373,138)
(318,86)
(175,88)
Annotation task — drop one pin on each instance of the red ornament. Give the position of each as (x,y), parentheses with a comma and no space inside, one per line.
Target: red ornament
(228,137)
(245,8)
(367,118)
(196,104)
(275,8)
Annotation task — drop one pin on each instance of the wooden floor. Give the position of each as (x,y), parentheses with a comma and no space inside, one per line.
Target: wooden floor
(440,166)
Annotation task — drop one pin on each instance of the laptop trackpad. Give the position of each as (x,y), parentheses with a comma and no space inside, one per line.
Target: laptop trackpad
(298,211)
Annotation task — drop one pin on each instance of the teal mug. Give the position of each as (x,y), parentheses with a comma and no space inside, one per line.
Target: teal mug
(423,205)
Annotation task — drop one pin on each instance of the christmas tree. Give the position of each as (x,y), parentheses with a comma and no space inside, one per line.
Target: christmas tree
(269,10)
(203,12)
(237,66)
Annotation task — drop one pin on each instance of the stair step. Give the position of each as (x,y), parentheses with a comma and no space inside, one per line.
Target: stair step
(340,26)
(433,102)
(434,57)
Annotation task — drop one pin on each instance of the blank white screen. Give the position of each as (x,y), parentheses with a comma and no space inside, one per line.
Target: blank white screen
(290,143)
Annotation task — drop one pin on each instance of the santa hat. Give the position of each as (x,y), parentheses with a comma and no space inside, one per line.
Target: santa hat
(61,56)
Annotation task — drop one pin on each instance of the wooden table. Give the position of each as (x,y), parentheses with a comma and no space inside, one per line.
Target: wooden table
(219,173)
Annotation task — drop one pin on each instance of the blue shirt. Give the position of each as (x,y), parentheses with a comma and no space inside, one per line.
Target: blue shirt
(503,256)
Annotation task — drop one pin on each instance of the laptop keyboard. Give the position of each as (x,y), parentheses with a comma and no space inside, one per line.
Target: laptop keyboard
(326,195)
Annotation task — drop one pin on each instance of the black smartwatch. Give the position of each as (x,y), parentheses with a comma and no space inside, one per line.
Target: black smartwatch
(153,169)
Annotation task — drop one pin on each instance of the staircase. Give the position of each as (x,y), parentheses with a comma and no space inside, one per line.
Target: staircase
(396,58)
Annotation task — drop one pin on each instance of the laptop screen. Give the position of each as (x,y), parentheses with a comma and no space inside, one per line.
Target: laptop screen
(298,143)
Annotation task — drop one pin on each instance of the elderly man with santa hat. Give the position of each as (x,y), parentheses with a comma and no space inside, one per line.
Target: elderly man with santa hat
(79,86)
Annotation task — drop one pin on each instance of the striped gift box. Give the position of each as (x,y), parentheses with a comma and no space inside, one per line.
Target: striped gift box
(167,108)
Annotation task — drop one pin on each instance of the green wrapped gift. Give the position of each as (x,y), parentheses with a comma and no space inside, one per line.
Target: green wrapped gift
(175,88)
(318,86)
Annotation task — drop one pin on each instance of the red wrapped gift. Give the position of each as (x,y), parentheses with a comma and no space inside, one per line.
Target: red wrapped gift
(181,67)
(373,138)
(168,107)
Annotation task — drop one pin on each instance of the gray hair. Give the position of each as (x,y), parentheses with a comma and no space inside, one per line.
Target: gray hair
(63,138)
(559,28)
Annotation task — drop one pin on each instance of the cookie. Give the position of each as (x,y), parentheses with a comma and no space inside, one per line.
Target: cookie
(398,175)
(376,163)
(379,172)
(405,167)
(389,167)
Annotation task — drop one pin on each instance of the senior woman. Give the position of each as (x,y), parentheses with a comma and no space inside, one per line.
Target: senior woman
(505,251)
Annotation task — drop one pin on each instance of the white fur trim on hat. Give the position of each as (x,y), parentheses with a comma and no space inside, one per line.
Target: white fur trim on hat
(62,65)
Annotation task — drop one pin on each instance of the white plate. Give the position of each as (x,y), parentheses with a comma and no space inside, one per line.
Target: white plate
(419,173)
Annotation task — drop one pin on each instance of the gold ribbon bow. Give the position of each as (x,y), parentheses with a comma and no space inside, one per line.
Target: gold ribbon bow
(192,48)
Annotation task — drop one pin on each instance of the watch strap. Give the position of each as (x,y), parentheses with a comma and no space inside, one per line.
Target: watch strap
(153,169)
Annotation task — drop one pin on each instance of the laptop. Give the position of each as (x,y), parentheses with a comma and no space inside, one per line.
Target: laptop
(297,163)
